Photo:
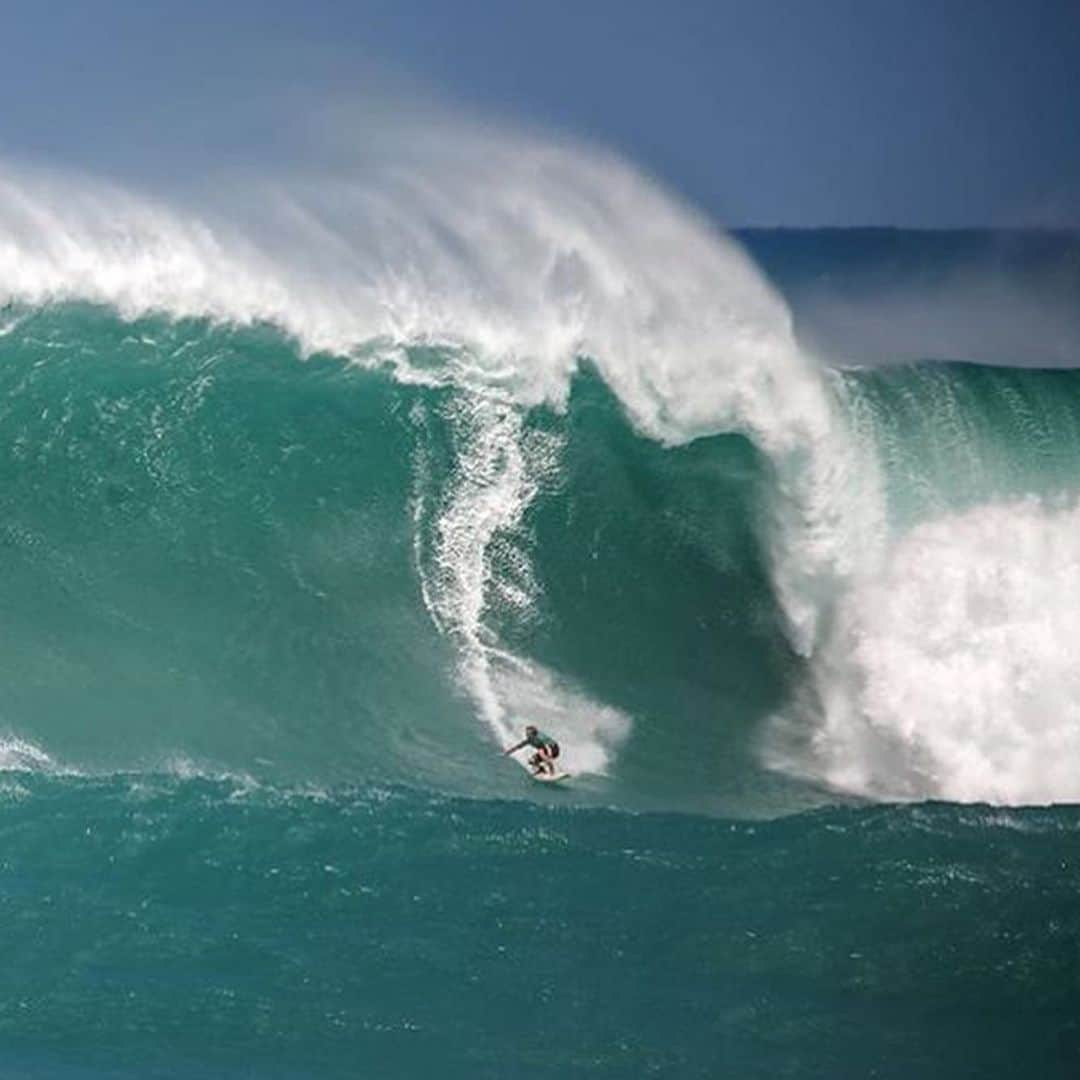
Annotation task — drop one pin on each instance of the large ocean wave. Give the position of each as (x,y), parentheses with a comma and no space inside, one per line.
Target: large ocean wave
(331,481)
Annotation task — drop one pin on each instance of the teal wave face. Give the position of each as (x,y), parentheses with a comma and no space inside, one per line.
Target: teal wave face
(215,559)
(208,549)
(656,594)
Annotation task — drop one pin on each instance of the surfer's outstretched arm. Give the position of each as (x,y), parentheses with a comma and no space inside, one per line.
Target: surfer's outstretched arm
(516,746)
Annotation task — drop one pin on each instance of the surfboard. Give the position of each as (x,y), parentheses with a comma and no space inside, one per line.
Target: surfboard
(547,778)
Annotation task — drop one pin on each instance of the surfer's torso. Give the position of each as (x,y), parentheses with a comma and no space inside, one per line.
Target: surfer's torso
(541,741)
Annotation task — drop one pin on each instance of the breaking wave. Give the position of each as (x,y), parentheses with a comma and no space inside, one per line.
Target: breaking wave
(344,476)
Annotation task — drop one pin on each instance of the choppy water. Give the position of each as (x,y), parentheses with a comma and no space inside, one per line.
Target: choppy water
(159,927)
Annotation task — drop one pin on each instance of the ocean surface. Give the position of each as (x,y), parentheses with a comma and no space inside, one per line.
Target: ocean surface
(305,513)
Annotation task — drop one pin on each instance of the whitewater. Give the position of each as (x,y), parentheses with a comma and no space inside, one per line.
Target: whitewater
(319,485)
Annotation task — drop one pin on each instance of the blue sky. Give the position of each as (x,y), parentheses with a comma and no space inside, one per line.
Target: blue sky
(834,112)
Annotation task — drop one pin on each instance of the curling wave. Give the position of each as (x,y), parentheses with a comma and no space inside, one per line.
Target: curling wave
(316,473)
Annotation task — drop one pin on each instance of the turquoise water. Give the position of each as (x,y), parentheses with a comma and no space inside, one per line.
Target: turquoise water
(269,614)
(158,927)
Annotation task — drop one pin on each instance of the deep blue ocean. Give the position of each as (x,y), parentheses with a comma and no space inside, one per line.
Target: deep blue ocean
(779,536)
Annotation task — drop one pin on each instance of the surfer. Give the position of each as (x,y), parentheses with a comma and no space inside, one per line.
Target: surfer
(547,750)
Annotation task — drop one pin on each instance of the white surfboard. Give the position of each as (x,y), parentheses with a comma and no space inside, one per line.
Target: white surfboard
(549,778)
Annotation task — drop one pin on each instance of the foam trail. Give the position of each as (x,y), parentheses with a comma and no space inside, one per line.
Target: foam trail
(474,564)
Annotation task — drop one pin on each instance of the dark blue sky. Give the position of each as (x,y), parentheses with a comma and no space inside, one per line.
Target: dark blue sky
(832,112)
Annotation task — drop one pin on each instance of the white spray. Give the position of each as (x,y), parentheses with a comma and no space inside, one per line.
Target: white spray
(952,674)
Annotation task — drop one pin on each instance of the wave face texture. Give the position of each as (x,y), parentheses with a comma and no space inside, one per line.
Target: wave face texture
(312,500)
